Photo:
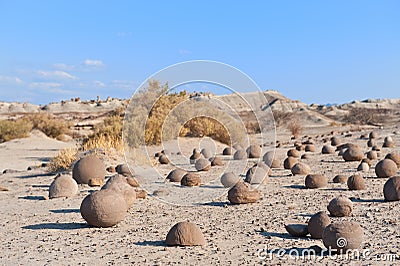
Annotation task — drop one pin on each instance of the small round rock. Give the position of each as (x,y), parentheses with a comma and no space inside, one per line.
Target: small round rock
(229,179)
(316,181)
(385,168)
(391,189)
(342,236)
(63,186)
(191,180)
(356,182)
(340,179)
(202,164)
(317,224)
(300,169)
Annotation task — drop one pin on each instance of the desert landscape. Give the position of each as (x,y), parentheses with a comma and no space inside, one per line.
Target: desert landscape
(336,155)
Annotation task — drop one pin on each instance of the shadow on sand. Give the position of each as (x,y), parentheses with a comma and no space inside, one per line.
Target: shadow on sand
(157,243)
(66,211)
(56,226)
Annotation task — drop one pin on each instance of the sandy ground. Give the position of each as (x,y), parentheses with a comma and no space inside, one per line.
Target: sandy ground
(36,231)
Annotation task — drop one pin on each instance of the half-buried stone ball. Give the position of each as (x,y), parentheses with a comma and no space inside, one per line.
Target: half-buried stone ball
(202,164)
(340,206)
(385,168)
(391,189)
(317,224)
(310,148)
(289,162)
(356,182)
(191,180)
(196,155)
(342,236)
(229,179)
(300,169)
(119,184)
(270,159)
(89,168)
(206,153)
(185,234)
(340,179)
(123,169)
(63,186)
(335,141)
(316,181)
(242,193)
(327,149)
(216,161)
(227,151)
(395,157)
(163,159)
(104,208)
(388,142)
(256,175)
(297,230)
(253,151)
(176,175)
(363,167)
(373,135)
(372,155)
(240,155)
(293,153)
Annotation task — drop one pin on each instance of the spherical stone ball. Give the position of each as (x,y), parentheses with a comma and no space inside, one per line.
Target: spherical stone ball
(240,155)
(194,157)
(202,164)
(270,160)
(191,180)
(185,234)
(263,166)
(363,167)
(373,135)
(293,153)
(371,142)
(119,184)
(256,175)
(229,179)
(300,169)
(317,224)
(372,155)
(207,153)
(342,236)
(367,161)
(254,151)
(340,206)
(385,168)
(310,148)
(216,161)
(305,156)
(289,162)
(326,149)
(87,168)
(335,141)
(124,170)
(176,175)
(316,181)
(395,157)
(340,179)
(103,208)
(227,151)
(353,154)
(63,186)
(163,159)
(391,189)
(297,230)
(242,193)
(388,144)
(356,182)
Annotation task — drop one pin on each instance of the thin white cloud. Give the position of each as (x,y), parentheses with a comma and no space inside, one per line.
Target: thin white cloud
(63,66)
(124,34)
(57,74)
(45,85)
(8,79)
(93,63)
(123,84)
(99,83)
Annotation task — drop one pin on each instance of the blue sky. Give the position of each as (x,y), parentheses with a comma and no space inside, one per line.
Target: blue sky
(313,51)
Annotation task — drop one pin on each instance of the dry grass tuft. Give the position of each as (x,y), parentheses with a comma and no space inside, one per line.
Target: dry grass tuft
(63,160)
(14,129)
(51,126)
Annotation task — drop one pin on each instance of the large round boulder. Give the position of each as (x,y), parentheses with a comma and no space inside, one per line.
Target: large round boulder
(356,182)
(289,162)
(316,181)
(254,151)
(342,236)
(300,169)
(242,193)
(89,168)
(256,175)
(385,168)
(191,180)
(340,206)
(119,184)
(353,153)
(395,157)
(391,189)
(103,208)
(317,224)
(185,234)
(176,175)
(63,186)
(229,179)
(240,155)
(202,164)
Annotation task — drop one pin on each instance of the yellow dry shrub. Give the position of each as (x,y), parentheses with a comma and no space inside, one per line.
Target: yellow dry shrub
(14,129)
(63,160)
